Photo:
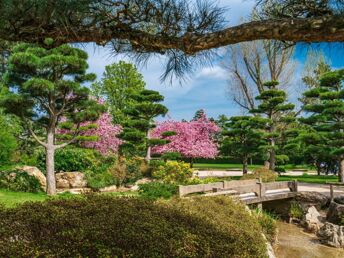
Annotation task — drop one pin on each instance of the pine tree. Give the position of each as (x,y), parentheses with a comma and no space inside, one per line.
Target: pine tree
(274,107)
(244,138)
(198,114)
(46,85)
(136,130)
(327,115)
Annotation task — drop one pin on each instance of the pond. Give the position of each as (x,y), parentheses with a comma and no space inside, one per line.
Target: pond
(293,242)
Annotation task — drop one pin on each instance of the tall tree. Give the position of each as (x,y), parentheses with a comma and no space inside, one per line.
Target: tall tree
(136,130)
(275,108)
(183,30)
(251,64)
(199,114)
(119,82)
(45,86)
(327,114)
(243,138)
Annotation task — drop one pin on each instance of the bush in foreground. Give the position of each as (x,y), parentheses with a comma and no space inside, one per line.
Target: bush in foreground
(105,226)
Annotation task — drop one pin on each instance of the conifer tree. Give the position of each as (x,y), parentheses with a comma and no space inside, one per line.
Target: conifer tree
(327,115)
(46,85)
(136,130)
(244,138)
(274,107)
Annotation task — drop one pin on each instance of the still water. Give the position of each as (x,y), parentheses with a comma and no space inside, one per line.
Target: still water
(294,243)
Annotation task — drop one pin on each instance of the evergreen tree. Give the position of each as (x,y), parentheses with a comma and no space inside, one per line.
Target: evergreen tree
(199,114)
(327,115)
(136,130)
(120,81)
(46,85)
(274,107)
(244,138)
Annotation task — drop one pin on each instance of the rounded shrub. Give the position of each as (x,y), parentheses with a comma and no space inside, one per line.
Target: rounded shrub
(19,181)
(265,174)
(156,190)
(173,172)
(71,159)
(106,226)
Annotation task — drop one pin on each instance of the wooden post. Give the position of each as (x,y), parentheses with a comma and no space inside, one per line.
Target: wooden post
(295,186)
(260,206)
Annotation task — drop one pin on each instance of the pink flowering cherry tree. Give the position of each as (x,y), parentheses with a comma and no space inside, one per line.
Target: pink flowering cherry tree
(100,135)
(192,139)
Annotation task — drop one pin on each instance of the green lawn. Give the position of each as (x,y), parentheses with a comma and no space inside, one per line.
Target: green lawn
(204,166)
(10,199)
(315,179)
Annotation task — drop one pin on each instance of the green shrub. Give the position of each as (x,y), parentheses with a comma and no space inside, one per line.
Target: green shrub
(268,223)
(207,180)
(173,172)
(71,159)
(156,190)
(106,226)
(19,181)
(265,174)
(128,171)
(296,210)
(97,180)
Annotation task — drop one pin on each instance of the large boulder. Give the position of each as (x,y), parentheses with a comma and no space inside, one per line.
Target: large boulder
(332,235)
(309,199)
(312,220)
(70,180)
(35,172)
(335,212)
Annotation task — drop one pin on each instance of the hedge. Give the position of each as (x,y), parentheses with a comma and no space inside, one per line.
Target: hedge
(107,226)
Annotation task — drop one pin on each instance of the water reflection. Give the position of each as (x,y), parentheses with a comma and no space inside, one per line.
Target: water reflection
(294,243)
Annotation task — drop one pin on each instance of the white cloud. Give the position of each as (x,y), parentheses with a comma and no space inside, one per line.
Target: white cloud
(215,72)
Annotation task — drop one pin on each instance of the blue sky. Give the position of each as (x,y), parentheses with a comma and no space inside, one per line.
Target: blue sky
(207,87)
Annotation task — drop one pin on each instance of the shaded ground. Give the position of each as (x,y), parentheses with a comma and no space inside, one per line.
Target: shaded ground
(294,242)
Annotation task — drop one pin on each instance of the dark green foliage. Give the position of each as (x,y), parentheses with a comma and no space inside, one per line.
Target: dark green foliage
(106,226)
(71,159)
(327,119)
(171,156)
(19,181)
(100,179)
(156,190)
(140,120)
(243,138)
(274,107)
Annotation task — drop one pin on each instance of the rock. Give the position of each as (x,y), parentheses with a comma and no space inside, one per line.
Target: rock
(70,180)
(332,235)
(309,199)
(35,172)
(312,220)
(111,188)
(139,182)
(335,212)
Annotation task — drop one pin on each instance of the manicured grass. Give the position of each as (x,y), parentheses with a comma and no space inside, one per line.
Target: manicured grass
(314,179)
(10,199)
(205,166)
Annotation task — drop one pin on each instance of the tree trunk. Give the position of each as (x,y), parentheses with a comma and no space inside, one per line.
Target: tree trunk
(317,164)
(245,165)
(191,162)
(272,158)
(341,170)
(50,164)
(148,154)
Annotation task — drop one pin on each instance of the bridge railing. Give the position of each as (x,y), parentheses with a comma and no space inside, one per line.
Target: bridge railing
(237,187)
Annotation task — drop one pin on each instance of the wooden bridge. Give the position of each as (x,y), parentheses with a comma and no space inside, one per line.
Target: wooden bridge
(249,191)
